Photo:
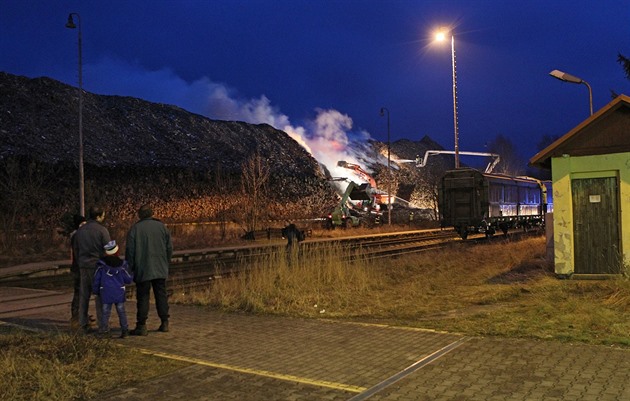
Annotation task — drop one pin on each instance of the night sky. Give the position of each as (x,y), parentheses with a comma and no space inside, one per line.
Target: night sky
(322,69)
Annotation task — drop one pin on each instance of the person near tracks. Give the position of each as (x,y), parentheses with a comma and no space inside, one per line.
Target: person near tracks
(109,283)
(88,244)
(294,236)
(148,252)
(78,221)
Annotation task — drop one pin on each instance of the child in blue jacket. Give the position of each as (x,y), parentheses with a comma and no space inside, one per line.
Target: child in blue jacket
(109,283)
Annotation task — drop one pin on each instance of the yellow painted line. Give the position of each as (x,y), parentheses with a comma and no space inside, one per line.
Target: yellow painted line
(19,326)
(388,326)
(273,375)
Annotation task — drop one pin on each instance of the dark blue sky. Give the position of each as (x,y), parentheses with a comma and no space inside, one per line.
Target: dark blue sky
(322,69)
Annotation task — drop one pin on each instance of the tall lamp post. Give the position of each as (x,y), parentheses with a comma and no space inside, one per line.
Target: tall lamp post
(441,36)
(563,76)
(389,176)
(70,24)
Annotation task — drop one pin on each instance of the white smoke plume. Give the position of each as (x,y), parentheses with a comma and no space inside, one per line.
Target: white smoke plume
(328,137)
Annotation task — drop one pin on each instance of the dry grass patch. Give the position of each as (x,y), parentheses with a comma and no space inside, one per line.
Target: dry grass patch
(45,366)
(321,280)
(504,288)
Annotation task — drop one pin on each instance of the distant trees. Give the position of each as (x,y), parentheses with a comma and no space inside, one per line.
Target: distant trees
(428,186)
(223,186)
(625,64)
(254,182)
(511,162)
(25,188)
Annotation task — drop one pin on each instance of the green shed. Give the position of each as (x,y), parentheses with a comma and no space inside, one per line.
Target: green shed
(590,170)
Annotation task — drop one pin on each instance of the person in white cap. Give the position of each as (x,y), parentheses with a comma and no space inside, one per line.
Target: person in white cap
(109,283)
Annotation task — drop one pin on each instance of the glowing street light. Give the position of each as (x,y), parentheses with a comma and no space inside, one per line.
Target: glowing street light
(70,24)
(563,76)
(389,176)
(441,36)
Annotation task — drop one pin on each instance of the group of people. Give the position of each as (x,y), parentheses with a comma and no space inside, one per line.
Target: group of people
(99,270)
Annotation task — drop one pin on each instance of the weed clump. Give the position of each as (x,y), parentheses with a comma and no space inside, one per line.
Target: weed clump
(502,289)
(60,366)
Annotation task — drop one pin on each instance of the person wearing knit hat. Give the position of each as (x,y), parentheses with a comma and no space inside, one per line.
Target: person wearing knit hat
(112,273)
(111,248)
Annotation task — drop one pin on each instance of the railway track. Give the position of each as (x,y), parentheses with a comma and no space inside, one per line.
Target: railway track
(194,268)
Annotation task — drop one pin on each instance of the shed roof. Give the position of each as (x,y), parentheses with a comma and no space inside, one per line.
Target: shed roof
(606,131)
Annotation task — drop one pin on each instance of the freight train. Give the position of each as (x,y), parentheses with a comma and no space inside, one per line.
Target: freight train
(475,202)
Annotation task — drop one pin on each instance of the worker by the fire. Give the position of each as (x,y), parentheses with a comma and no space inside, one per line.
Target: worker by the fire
(294,236)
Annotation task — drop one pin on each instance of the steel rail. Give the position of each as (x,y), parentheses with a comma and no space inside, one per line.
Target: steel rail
(198,268)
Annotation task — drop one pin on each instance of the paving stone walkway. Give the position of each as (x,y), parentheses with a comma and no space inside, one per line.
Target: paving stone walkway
(243,357)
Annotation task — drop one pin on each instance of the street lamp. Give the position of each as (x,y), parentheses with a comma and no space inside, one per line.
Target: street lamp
(389,174)
(70,24)
(441,36)
(563,76)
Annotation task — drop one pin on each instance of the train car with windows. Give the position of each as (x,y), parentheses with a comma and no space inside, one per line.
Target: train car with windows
(475,202)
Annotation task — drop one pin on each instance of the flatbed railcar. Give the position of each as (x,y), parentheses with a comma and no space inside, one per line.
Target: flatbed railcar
(475,202)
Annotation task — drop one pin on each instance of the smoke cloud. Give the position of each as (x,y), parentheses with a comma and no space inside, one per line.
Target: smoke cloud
(329,137)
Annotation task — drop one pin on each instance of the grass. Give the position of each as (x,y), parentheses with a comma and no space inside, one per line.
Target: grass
(291,285)
(501,289)
(58,366)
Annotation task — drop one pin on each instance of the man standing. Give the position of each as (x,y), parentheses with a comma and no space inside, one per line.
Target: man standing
(87,246)
(148,252)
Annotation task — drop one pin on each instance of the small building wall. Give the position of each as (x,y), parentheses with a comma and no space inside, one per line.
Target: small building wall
(566,168)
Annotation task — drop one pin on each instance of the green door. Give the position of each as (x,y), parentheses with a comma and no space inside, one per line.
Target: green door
(596,225)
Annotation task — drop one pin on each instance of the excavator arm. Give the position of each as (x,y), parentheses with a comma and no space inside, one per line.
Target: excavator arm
(359,171)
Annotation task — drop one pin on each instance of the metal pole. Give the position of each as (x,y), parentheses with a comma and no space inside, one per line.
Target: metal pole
(389,175)
(455,101)
(70,24)
(590,95)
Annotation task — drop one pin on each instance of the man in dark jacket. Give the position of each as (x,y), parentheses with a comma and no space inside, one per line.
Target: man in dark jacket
(87,246)
(293,236)
(148,252)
